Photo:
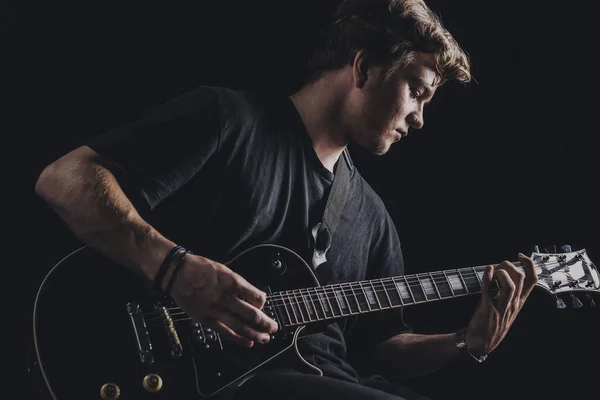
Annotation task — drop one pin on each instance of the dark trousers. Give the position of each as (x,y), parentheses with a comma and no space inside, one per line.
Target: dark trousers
(286,385)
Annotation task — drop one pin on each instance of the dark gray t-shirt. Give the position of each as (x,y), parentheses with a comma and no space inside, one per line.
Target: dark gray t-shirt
(219,171)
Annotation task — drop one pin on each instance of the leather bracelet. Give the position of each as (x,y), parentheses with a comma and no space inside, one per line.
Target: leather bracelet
(175,271)
(461,346)
(162,270)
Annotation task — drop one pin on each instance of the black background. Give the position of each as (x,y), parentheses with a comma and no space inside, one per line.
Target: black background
(503,163)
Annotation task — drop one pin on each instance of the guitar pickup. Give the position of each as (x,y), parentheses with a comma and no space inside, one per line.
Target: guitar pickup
(141,332)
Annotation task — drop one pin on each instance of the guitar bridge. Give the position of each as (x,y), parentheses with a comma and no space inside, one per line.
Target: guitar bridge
(169,326)
(141,332)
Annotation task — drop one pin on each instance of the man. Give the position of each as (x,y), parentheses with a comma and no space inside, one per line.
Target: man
(237,169)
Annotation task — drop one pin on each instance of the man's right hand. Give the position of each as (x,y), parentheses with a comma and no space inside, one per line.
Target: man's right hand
(213,294)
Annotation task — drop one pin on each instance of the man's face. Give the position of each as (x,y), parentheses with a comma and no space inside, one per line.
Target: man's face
(381,111)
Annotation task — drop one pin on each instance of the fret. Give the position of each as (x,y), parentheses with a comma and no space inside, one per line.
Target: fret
(359,310)
(278,302)
(307,306)
(449,284)
(315,305)
(456,283)
(471,282)
(365,294)
(298,306)
(336,296)
(477,275)
(435,286)
(312,313)
(328,301)
(412,296)
(333,301)
(278,307)
(405,292)
(441,286)
(422,288)
(463,281)
(344,297)
(389,304)
(417,290)
(428,289)
(396,286)
(372,297)
(325,304)
(291,303)
(375,295)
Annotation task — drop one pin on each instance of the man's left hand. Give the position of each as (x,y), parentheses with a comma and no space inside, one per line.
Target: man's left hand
(495,314)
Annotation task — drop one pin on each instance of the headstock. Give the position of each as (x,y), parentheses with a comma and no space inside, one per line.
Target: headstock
(567,272)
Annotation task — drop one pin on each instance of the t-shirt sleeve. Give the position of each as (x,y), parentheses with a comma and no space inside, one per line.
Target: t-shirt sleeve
(156,155)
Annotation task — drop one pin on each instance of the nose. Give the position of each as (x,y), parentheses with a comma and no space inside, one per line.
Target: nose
(415,119)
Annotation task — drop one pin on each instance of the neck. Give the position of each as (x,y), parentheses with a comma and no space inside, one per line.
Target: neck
(320,107)
(301,306)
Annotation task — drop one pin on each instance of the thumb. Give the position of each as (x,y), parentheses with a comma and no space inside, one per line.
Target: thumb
(486,279)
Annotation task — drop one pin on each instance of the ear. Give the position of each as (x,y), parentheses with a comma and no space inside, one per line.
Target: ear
(360,69)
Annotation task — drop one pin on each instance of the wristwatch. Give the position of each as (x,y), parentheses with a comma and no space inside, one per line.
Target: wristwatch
(461,346)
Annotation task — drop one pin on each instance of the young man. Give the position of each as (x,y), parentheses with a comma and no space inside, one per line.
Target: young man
(245,168)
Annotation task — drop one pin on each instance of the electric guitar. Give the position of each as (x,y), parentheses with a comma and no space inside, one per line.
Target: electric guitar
(100,332)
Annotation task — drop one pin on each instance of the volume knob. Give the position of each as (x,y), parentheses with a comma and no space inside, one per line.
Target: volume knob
(152,383)
(110,391)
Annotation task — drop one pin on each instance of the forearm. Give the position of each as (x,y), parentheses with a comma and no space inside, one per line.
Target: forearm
(410,354)
(87,197)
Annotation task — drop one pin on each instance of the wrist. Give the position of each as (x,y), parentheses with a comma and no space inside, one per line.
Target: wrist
(156,251)
(463,349)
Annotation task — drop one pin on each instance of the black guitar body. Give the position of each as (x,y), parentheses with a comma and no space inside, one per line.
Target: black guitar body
(101,332)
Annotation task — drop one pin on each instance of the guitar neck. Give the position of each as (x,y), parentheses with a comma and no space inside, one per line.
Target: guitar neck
(317,304)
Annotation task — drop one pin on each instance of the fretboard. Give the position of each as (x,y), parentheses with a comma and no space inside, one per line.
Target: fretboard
(307,305)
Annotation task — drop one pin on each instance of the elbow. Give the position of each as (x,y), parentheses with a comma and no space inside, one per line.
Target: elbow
(48,183)
(63,176)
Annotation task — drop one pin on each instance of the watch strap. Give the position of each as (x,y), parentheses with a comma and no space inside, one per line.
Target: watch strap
(461,346)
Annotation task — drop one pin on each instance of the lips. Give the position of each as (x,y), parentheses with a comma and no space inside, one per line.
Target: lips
(402,133)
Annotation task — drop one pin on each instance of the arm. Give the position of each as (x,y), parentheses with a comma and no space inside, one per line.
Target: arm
(84,187)
(87,197)
(409,355)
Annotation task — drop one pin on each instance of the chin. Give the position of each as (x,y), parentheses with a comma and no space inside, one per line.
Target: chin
(377,145)
(380,148)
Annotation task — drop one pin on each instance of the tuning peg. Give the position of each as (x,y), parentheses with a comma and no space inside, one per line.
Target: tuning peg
(536,249)
(566,248)
(559,303)
(592,303)
(576,302)
(551,249)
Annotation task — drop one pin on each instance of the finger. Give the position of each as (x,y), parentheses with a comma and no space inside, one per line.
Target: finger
(251,315)
(240,328)
(531,276)
(244,290)
(516,275)
(486,279)
(230,334)
(507,289)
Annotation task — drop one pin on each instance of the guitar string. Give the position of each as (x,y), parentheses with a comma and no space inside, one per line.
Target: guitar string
(363,307)
(347,289)
(382,283)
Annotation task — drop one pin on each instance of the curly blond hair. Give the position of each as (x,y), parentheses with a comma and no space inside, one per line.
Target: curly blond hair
(390,32)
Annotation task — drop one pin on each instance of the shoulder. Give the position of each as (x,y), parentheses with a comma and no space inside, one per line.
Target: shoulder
(367,198)
(244,103)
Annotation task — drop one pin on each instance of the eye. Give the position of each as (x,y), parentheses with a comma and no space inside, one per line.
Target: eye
(415,94)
